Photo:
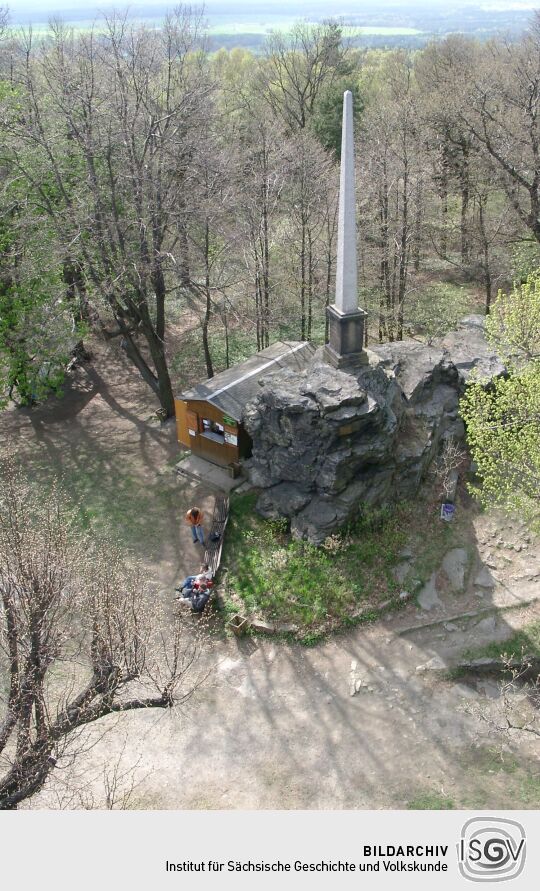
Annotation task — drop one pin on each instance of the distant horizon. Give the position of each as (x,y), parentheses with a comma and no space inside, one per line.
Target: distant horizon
(384,24)
(43,10)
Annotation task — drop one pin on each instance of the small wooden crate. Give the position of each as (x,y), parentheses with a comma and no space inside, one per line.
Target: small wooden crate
(239,625)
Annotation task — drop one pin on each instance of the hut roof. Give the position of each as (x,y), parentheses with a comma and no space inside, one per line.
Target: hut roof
(230,390)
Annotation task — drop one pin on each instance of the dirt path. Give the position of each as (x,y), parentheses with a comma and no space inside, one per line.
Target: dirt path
(116,461)
(352,723)
(277,727)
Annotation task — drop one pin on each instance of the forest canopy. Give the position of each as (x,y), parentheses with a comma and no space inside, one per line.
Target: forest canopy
(183,202)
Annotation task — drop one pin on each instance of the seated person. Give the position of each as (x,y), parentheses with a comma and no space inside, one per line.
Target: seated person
(200,596)
(204,576)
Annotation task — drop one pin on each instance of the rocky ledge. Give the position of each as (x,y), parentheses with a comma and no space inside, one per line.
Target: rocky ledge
(327,442)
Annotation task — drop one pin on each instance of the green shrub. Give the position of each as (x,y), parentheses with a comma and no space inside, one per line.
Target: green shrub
(318,588)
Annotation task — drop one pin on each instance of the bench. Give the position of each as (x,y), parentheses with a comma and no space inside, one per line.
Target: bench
(212,554)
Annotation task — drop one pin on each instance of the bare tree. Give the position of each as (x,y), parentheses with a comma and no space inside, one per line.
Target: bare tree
(81,637)
(113,785)
(307,200)
(449,74)
(390,176)
(216,266)
(262,180)
(107,145)
(442,71)
(516,712)
(447,467)
(490,94)
(298,67)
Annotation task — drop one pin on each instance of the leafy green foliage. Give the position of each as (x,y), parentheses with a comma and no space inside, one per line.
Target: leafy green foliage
(36,337)
(525,260)
(503,423)
(503,431)
(513,325)
(328,113)
(435,310)
(336,585)
(38,330)
(188,364)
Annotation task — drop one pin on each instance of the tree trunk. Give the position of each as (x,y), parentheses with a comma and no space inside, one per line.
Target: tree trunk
(310,285)
(27,776)
(403,252)
(330,229)
(266,269)
(74,281)
(208,307)
(258,294)
(385,302)
(418,223)
(465,193)
(160,381)
(184,264)
(226,330)
(485,252)
(444,202)
(303,282)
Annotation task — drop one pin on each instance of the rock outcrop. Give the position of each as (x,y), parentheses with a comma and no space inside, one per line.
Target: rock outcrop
(327,441)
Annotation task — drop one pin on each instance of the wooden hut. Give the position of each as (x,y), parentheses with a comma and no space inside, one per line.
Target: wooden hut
(209,416)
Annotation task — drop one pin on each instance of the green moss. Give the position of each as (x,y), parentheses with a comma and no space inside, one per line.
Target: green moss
(430,801)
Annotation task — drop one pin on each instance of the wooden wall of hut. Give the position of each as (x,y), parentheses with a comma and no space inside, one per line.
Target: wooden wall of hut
(191,432)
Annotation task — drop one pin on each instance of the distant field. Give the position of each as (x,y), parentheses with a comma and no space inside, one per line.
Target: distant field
(249,26)
(373,23)
(262,27)
(351,31)
(226,26)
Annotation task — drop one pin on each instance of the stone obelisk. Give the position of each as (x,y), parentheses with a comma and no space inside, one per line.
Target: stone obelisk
(346,320)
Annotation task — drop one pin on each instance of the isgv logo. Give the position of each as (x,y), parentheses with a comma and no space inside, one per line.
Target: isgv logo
(491,849)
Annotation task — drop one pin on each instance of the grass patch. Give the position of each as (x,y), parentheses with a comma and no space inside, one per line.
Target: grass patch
(453,674)
(496,778)
(431,801)
(526,641)
(489,759)
(488,777)
(505,791)
(527,791)
(333,587)
(343,584)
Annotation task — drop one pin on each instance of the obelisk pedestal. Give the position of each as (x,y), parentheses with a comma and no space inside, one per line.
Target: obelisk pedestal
(346,320)
(346,338)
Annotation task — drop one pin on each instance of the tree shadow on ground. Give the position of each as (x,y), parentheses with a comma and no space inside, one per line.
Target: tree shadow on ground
(277,727)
